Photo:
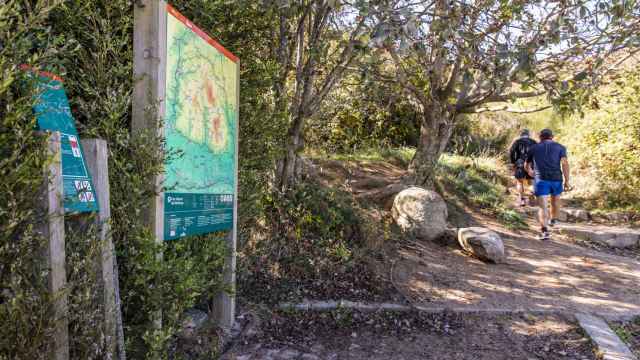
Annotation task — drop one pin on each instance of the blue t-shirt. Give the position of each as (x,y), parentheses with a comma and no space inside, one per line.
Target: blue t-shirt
(545,157)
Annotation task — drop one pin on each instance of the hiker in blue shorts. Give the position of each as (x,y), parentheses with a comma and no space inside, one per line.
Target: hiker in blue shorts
(547,163)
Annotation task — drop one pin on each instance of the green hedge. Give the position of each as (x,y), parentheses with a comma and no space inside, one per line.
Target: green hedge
(90,44)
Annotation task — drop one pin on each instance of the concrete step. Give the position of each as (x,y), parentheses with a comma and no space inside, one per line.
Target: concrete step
(616,237)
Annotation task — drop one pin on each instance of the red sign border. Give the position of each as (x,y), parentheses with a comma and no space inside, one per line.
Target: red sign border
(46,74)
(183,19)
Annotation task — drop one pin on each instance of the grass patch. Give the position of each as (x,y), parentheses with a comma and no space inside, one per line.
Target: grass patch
(629,332)
(479,182)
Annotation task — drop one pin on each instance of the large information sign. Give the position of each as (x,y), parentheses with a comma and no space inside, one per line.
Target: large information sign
(54,114)
(200,128)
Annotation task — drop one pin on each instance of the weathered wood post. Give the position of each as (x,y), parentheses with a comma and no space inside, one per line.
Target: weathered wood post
(97,157)
(149,71)
(225,304)
(54,233)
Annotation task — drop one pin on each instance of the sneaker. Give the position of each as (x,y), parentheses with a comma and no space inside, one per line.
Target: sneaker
(523,202)
(544,234)
(553,222)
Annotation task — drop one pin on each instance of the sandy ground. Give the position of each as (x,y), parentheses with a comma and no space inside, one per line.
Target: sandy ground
(553,275)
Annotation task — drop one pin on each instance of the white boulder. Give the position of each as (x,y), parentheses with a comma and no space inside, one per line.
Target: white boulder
(420,213)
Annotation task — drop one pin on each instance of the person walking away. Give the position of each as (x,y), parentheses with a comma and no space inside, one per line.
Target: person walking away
(547,163)
(518,154)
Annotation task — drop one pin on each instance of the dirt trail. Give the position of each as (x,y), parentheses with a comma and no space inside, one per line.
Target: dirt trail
(552,275)
(555,276)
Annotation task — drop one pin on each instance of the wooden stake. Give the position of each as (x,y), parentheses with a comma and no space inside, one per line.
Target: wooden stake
(149,71)
(54,232)
(97,157)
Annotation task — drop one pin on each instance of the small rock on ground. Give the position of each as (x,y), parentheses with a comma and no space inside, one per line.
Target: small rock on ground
(482,243)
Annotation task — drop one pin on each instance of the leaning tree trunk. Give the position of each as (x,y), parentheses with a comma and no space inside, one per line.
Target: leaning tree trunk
(435,132)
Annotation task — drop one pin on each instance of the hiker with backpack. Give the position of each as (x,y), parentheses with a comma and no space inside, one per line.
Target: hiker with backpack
(547,163)
(518,154)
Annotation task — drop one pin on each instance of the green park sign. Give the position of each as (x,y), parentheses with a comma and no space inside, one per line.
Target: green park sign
(54,114)
(200,129)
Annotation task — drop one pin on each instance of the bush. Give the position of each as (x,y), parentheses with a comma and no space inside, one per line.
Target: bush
(24,300)
(603,145)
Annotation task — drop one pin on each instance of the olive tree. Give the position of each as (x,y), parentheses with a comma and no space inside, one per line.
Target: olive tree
(454,57)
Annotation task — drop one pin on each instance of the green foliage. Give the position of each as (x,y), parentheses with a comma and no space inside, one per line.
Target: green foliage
(90,45)
(478,182)
(603,145)
(24,301)
(97,74)
(491,133)
(364,114)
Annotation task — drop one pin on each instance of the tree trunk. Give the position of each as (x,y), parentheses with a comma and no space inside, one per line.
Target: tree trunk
(286,173)
(435,131)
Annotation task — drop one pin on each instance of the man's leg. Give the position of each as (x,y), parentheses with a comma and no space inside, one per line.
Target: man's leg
(555,206)
(520,188)
(543,213)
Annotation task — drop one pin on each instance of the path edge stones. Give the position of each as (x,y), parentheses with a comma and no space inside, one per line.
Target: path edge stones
(609,344)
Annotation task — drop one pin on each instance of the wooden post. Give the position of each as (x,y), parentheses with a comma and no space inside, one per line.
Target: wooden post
(54,233)
(149,71)
(225,304)
(97,157)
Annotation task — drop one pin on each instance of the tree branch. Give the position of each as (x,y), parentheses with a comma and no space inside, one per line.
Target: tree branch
(504,108)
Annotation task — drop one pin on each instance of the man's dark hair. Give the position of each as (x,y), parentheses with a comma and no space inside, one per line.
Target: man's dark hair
(546,134)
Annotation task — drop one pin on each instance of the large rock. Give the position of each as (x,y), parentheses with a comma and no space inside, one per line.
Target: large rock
(482,243)
(420,213)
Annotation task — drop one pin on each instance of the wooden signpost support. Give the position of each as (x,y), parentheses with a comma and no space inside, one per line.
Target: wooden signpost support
(54,233)
(149,71)
(97,158)
(225,303)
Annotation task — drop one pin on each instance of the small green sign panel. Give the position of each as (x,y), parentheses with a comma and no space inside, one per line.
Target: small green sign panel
(54,114)
(201,126)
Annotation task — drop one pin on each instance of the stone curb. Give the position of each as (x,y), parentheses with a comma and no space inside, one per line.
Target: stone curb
(609,344)
(329,305)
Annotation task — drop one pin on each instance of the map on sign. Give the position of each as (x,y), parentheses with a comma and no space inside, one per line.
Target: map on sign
(54,114)
(200,131)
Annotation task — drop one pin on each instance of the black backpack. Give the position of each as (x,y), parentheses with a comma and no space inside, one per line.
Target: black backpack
(520,151)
